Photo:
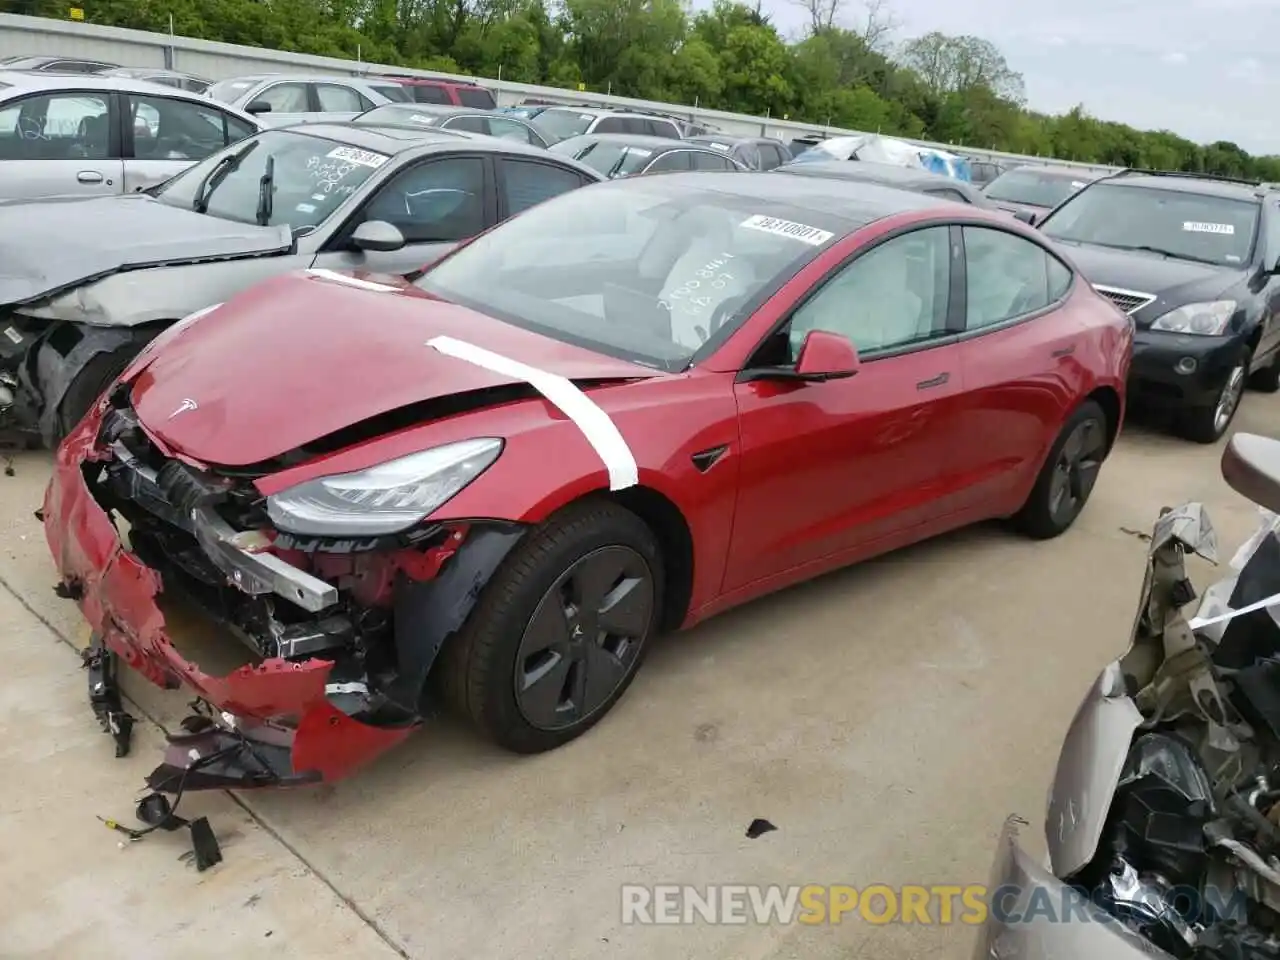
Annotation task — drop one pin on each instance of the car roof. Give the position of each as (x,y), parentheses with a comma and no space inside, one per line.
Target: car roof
(637,140)
(1187,183)
(605,111)
(396,138)
(867,170)
(855,203)
(1066,173)
(434,81)
(731,139)
(22,82)
(429,109)
(148,72)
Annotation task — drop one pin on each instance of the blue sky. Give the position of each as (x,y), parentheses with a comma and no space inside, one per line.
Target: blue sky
(1201,68)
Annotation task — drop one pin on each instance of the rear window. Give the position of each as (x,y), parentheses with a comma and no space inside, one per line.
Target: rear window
(428,93)
(1033,187)
(565,123)
(615,159)
(394,92)
(228,91)
(477,97)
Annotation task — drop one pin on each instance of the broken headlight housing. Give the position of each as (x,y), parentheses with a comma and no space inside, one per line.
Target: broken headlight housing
(388,498)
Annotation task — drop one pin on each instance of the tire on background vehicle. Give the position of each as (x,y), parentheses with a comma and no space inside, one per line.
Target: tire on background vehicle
(477,668)
(1200,424)
(1038,518)
(89,383)
(1267,380)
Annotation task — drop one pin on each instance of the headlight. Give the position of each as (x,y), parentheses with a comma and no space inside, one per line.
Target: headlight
(388,498)
(1207,319)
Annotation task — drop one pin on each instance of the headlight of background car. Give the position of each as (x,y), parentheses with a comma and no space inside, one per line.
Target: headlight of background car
(1207,319)
(388,498)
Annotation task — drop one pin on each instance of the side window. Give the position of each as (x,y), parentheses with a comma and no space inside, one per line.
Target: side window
(237,129)
(664,128)
(637,125)
(335,98)
(165,129)
(59,126)
(477,97)
(509,130)
(769,156)
(285,98)
(430,93)
(193,85)
(894,295)
(1271,233)
(433,202)
(710,161)
(671,162)
(610,125)
(527,182)
(750,156)
(1007,276)
(468,124)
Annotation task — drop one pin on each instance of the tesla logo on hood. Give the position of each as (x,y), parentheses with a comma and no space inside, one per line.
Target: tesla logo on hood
(184,406)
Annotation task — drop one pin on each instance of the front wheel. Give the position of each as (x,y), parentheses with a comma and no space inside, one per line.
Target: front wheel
(560,630)
(1068,475)
(89,383)
(1208,424)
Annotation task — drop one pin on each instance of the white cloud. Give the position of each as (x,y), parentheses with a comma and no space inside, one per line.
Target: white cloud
(1174,58)
(1248,69)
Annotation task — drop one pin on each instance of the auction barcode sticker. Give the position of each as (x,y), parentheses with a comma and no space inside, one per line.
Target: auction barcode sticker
(788,228)
(365,158)
(1195,226)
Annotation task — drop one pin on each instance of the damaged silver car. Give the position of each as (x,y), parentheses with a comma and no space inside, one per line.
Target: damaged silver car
(85,284)
(1163,822)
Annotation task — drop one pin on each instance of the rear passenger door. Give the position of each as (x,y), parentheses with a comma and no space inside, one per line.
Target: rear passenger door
(164,135)
(436,203)
(1019,367)
(60,144)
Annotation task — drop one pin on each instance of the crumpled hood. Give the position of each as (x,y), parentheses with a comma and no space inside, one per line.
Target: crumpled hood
(299,357)
(51,245)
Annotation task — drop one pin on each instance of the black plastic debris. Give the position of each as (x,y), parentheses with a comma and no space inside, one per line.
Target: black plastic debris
(759,828)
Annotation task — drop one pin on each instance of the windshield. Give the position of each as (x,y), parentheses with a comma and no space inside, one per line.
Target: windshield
(1189,226)
(1034,187)
(609,158)
(647,270)
(228,91)
(311,176)
(564,124)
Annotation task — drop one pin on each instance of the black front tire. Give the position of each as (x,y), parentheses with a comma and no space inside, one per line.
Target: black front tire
(88,385)
(1045,514)
(1208,424)
(478,667)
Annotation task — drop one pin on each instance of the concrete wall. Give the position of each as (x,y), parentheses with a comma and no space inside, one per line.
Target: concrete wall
(217,61)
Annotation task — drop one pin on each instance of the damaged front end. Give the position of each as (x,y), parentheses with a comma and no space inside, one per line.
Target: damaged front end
(340,634)
(1164,815)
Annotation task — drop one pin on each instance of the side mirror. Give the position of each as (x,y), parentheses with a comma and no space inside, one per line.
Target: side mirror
(823,356)
(826,356)
(1026,216)
(257,107)
(377,235)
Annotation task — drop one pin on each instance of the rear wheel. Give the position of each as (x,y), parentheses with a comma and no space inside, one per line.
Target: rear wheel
(1208,424)
(1068,475)
(88,385)
(560,630)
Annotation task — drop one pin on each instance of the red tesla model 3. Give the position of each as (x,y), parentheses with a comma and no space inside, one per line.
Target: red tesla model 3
(629,408)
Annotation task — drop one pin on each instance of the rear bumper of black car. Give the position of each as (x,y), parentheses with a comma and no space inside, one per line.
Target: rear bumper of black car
(1173,370)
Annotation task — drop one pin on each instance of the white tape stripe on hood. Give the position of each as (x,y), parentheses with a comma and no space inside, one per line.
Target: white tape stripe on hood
(1197,622)
(601,432)
(351,281)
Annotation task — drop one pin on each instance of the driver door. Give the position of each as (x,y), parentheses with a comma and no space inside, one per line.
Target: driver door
(834,471)
(436,204)
(163,136)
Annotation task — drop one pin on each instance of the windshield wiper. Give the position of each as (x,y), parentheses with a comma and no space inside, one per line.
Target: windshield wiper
(266,187)
(216,175)
(1147,248)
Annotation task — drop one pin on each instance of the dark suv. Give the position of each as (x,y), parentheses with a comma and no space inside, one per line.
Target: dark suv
(1194,260)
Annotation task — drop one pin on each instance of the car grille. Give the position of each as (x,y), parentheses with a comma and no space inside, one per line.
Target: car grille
(1130,301)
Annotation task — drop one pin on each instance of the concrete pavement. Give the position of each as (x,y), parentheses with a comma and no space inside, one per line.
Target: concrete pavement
(886,718)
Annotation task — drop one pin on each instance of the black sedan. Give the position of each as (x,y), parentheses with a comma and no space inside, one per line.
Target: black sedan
(467,119)
(628,155)
(917,180)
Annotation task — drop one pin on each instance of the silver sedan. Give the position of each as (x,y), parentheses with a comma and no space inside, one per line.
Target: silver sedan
(90,136)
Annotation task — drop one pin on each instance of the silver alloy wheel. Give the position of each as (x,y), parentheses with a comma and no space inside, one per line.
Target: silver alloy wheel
(1230,396)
